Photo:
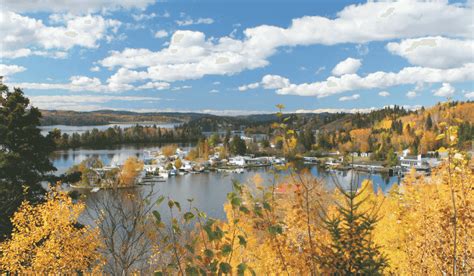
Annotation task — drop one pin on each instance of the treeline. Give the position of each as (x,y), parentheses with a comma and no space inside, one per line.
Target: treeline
(394,129)
(132,135)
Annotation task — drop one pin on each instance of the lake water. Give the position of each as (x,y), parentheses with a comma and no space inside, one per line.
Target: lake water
(81,129)
(208,190)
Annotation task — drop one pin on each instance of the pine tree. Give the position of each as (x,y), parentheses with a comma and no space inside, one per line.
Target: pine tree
(351,250)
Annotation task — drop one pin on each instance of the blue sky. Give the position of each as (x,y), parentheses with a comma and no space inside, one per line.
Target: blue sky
(237,57)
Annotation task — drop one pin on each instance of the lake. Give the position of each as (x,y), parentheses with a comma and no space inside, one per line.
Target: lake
(81,129)
(208,190)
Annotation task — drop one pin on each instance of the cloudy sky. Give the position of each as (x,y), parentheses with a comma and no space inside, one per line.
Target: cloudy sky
(234,57)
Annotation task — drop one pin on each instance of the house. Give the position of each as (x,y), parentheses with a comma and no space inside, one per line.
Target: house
(237,161)
(420,164)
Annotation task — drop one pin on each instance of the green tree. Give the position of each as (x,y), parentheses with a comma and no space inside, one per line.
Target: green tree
(238,146)
(392,158)
(352,250)
(24,154)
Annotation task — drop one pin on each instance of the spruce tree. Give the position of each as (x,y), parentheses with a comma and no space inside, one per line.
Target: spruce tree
(351,250)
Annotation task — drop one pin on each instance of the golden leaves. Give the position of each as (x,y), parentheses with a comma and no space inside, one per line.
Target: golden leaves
(46,239)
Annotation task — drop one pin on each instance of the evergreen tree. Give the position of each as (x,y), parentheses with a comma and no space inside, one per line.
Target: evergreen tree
(428,123)
(24,154)
(352,251)
(238,146)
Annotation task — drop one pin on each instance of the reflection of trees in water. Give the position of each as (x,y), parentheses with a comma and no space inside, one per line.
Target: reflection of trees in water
(123,218)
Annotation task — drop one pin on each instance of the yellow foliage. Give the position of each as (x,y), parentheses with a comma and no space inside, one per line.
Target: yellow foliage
(45,239)
(130,170)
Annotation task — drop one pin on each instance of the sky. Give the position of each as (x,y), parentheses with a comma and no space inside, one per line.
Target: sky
(237,57)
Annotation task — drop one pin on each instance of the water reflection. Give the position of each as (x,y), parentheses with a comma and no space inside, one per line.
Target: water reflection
(208,190)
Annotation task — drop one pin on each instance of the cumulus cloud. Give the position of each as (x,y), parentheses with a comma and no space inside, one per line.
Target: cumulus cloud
(384,93)
(445,90)
(161,34)
(95,69)
(190,55)
(8,70)
(436,52)
(350,82)
(469,95)
(77,6)
(22,33)
(214,91)
(347,66)
(349,98)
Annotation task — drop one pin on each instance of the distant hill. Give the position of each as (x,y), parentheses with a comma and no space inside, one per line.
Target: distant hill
(209,121)
(103,117)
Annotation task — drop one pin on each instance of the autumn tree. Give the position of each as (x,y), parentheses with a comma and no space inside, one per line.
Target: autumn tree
(47,239)
(169,150)
(130,171)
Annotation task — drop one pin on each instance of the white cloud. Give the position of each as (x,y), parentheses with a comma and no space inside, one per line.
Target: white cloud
(320,69)
(274,82)
(337,110)
(349,98)
(384,94)
(436,52)
(73,7)
(177,88)
(189,21)
(469,95)
(362,49)
(143,16)
(216,83)
(190,55)
(445,90)
(214,91)
(22,33)
(249,86)
(347,66)
(408,75)
(119,83)
(8,70)
(80,102)
(161,34)
(415,92)
(412,94)
(95,69)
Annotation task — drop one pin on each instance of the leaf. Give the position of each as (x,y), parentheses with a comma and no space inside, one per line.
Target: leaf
(267,206)
(160,200)
(226,249)
(158,273)
(244,209)
(241,268)
(157,216)
(208,253)
(236,201)
(242,240)
(225,267)
(275,229)
(178,205)
(188,216)
(440,137)
(170,204)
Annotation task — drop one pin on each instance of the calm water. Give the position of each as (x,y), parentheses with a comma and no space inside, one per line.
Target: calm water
(208,190)
(82,129)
